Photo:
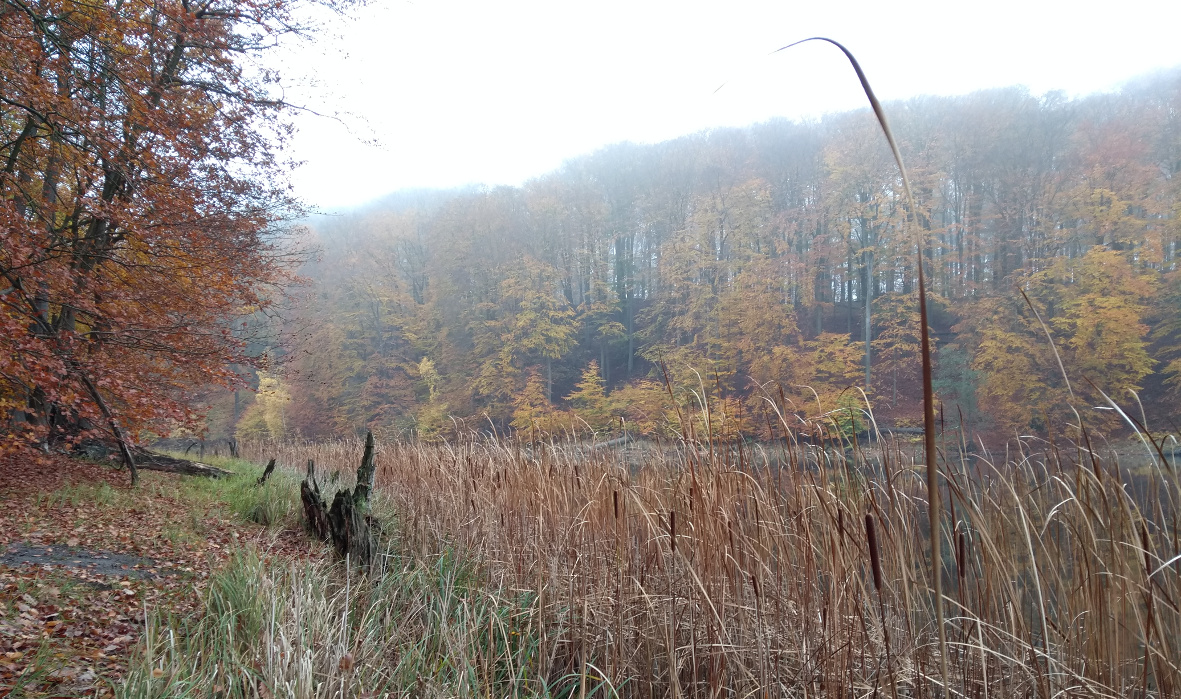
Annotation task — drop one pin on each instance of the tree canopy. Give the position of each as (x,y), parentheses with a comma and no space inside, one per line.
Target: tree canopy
(774,264)
(142,189)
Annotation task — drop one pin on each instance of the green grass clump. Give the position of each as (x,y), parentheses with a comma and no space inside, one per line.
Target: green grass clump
(273,503)
(316,630)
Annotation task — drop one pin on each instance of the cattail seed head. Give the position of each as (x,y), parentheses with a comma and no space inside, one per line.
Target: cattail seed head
(875,559)
(1144,547)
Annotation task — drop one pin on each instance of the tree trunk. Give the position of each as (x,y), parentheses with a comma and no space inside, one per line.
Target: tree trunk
(631,340)
(868,289)
(151,461)
(366,475)
(128,459)
(351,534)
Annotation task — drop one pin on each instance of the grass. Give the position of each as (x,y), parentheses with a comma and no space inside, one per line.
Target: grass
(77,493)
(274,628)
(702,569)
(713,569)
(65,631)
(273,504)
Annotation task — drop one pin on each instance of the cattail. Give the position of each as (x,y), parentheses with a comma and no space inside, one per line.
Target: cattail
(672,530)
(615,502)
(875,559)
(1146,551)
(960,555)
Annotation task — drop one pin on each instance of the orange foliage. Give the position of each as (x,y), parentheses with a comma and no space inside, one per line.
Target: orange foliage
(141,189)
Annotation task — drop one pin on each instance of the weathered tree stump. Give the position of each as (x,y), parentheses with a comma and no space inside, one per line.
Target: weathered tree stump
(351,535)
(267,473)
(348,523)
(315,513)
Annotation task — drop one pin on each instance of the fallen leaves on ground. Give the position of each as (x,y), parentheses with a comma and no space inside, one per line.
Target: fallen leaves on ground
(68,625)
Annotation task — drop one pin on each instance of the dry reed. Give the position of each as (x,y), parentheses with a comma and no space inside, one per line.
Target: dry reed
(707,570)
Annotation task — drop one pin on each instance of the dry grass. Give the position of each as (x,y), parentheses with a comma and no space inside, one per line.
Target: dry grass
(706,570)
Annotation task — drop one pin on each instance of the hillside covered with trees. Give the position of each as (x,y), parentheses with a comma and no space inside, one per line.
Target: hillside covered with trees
(760,266)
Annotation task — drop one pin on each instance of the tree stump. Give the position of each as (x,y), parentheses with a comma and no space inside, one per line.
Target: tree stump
(267,473)
(347,524)
(351,535)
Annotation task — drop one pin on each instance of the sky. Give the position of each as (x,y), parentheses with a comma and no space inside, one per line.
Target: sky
(445,93)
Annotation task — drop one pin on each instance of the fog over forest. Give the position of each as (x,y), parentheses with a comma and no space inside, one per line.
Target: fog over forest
(762,265)
(734,407)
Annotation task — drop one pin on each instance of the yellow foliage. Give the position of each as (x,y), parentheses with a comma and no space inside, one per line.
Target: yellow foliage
(265,417)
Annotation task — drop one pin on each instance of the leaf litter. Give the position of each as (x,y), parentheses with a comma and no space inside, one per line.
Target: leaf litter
(84,559)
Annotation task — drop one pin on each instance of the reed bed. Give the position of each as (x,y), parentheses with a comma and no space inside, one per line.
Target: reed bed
(796,569)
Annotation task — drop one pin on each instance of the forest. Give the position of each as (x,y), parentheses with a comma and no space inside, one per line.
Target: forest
(166,293)
(759,267)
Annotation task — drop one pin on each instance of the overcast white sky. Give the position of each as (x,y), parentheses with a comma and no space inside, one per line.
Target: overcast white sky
(475,91)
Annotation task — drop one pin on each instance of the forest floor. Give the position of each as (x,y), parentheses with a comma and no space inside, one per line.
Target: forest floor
(85,560)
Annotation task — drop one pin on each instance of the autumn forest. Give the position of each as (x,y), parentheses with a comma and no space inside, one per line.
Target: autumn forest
(830,407)
(759,267)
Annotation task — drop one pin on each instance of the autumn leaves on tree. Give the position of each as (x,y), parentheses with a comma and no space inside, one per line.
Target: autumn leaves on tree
(140,197)
(772,268)
(763,271)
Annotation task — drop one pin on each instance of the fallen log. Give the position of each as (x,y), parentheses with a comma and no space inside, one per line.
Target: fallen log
(618,441)
(152,461)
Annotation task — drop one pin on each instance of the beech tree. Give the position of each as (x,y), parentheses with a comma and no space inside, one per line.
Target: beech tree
(140,201)
(741,261)
(898,343)
(590,402)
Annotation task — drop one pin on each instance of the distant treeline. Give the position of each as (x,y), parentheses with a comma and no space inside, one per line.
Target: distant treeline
(766,269)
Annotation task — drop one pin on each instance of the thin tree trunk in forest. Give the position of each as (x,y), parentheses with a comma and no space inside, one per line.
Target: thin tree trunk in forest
(631,346)
(30,127)
(868,317)
(118,433)
(849,292)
